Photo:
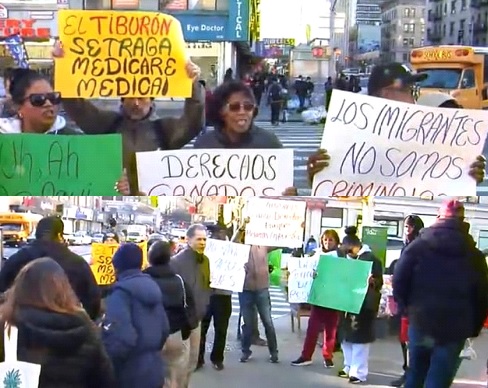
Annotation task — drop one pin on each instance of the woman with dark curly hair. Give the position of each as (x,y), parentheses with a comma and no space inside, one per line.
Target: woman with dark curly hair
(232,112)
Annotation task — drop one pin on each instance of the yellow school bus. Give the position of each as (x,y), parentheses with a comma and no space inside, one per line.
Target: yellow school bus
(460,71)
(16,227)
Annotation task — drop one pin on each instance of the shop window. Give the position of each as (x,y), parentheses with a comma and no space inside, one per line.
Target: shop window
(332,218)
(392,225)
(483,240)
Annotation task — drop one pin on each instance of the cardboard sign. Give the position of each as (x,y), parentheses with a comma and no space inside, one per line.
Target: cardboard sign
(275,223)
(55,165)
(223,172)
(381,147)
(121,54)
(300,281)
(227,261)
(102,266)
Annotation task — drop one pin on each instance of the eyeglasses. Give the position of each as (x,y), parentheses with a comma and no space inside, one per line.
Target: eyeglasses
(237,106)
(39,99)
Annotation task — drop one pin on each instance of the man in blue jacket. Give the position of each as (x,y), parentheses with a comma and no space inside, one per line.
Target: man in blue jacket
(135,327)
(441,280)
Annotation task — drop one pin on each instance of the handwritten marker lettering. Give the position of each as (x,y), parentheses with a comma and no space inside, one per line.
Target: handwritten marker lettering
(382,147)
(220,172)
(124,54)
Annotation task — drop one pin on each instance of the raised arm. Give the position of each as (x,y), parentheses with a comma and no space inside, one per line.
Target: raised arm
(90,119)
(177,132)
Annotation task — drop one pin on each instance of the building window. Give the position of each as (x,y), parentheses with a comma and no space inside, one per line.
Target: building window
(411,27)
(463,5)
(97,4)
(209,5)
(405,42)
(422,28)
(406,57)
(406,12)
(405,27)
(444,30)
(412,12)
(453,6)
(451,28)
(411,42)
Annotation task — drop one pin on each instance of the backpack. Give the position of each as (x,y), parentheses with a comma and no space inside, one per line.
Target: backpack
(275,92)
(114,128)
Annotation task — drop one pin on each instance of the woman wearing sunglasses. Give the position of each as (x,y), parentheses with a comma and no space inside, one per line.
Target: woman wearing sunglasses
(37,106)
(233,111)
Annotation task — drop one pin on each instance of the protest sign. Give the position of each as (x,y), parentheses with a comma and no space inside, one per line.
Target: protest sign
(225,172)
(275,222)
(340,284)
(121,54)
(300,280)
(274,260)
(51,165)
(381,147)
(227,261)
(101,263)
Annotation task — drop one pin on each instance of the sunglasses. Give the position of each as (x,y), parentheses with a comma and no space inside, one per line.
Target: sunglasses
(237,106)
(39,99)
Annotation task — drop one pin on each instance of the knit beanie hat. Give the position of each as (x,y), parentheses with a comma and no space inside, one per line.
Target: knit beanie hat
(451,208)
(128,256)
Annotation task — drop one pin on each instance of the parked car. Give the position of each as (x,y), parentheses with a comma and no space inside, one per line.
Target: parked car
(97,238)
(136,237)
(79,238)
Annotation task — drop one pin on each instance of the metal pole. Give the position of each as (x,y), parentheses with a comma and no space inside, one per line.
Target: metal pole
(1,247)
(332,41)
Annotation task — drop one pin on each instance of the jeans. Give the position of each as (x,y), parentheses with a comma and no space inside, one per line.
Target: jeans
(275,111)
(220,310)
(321,319)
(260,299)
(432,365)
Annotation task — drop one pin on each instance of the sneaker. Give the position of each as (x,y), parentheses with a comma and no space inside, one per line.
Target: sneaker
(273,359)
(355,380)
(343,374)
(218,366)
(399,382)
(245,357)
(300,361)
(328,363)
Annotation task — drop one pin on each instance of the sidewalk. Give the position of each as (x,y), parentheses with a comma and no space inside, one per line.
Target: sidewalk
(385,365)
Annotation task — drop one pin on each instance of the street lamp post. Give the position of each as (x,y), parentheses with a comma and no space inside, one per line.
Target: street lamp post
(332,43)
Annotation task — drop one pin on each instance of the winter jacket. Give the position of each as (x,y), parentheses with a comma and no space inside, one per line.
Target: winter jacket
(67,346)
(148,134)
(13,125)
(255,138)
(135,329)
(181,317)
(442,281)
(77,269)
(360,328)
(192,268)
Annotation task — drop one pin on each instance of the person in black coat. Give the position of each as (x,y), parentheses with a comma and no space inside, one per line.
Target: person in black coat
(54,331)
(358,329)
(49,242)
(441,280)
(413,226)
(180,308)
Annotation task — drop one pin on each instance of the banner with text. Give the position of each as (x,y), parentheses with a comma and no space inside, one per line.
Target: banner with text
(275,222)
(301,270)
(101,261)
(121,54)
(381,147)
(225,172)
(50,165)
(227,261)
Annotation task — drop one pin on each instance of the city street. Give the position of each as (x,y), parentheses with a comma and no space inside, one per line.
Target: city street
(80,250)
(385,360)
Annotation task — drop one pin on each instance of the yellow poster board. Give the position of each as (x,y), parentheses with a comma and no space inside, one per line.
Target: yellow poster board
(102,266)
(121,54)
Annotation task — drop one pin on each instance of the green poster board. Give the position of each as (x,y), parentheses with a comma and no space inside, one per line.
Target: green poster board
(376,237)
(274,259)
(52,165)
(340,284)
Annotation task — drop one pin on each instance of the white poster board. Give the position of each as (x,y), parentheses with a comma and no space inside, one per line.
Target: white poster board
(227,261)
(300,280)
(219,172)
(275,222)
(381,147)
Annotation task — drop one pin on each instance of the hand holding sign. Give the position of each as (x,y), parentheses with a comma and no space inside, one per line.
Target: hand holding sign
(477,169)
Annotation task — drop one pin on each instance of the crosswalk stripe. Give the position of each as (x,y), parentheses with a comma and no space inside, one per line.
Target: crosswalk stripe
(279,305)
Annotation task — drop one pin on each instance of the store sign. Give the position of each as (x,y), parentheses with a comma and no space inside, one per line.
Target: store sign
(25,27)
(238,20)
(203,28)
